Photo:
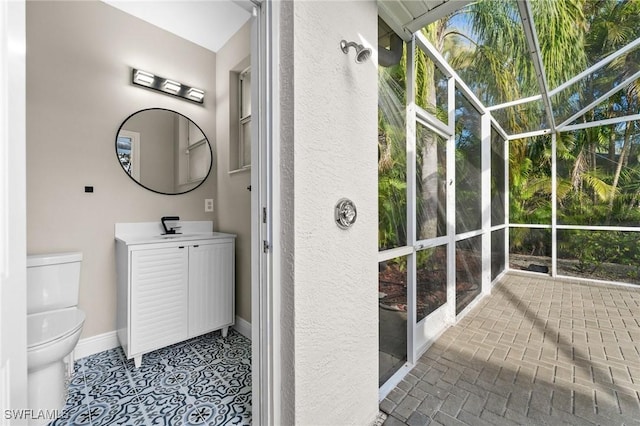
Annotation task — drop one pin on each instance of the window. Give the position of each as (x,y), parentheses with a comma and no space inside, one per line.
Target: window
(128,150)
(244,115)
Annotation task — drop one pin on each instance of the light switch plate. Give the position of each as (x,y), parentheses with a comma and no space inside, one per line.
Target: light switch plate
(208,205)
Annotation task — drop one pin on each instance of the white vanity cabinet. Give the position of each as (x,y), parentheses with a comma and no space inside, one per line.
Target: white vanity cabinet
(211,306)
(158,291)
(172,289)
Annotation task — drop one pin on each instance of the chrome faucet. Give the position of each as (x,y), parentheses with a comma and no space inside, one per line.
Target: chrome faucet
(171,230)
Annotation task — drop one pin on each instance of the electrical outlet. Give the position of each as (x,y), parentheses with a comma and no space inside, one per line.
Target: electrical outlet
(208,204)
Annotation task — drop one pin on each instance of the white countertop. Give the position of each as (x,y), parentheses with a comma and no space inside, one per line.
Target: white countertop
(148,239)
(152,232)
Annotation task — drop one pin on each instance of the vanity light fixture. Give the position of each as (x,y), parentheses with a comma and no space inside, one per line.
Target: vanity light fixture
(195,94)
(171,86)
(165,85)
(143,77)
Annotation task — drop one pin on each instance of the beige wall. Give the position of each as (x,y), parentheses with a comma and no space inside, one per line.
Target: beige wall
(79,56)
(233,203)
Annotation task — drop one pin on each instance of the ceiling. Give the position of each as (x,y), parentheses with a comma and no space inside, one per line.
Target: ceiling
(207,23)
(407,17)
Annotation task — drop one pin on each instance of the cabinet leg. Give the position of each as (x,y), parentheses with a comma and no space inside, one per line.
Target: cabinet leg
(137,360)
(225,331)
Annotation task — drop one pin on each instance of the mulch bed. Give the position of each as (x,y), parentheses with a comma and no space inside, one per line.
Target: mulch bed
(432,283)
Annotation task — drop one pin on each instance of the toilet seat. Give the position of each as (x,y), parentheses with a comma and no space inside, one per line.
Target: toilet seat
(46,327)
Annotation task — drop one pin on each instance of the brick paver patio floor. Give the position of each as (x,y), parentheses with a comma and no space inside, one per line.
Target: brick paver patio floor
(536,351)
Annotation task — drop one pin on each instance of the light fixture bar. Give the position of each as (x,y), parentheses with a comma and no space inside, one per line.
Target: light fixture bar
(166,85)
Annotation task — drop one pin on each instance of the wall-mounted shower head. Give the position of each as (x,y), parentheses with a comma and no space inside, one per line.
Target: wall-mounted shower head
(362,53)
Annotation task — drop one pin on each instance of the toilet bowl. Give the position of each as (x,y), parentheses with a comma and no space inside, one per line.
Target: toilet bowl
(51,337)
(54,324)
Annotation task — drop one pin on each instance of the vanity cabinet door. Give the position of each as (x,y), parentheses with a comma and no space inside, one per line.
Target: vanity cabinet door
(211,287)
(158,304)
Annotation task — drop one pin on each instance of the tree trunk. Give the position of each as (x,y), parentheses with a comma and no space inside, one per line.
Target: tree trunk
(429,225)
(428,228)
(612,151)
(593,148)
(626,146)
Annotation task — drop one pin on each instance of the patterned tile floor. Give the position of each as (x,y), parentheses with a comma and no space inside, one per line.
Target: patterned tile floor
(537,351)
(202,381)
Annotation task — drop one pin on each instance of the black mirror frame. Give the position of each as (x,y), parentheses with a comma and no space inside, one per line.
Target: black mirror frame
(151,189)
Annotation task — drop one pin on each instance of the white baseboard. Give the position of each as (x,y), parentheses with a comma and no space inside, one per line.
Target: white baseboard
(243,327)
(94,344)
(104,342)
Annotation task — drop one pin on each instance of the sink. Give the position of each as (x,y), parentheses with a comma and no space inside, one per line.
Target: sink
(180,236)
(152,232)
(172,236)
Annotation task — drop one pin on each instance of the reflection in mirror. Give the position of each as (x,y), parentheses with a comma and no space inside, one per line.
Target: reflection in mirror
(163,151)
(128,149)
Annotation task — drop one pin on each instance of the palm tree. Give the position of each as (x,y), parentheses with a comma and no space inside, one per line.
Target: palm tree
(497,66)
(485,43)
(611,24)
(614,24)
(392,179)
(431,203)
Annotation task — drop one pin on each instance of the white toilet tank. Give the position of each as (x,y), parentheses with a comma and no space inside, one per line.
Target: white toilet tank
(53,281)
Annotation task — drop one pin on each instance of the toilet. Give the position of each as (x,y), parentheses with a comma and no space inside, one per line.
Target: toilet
(54,324)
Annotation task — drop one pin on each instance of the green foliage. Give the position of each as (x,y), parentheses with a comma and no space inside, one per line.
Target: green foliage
(391,212)
(530,181)
(598,169)
(392,170)
(532,242)
(595,250)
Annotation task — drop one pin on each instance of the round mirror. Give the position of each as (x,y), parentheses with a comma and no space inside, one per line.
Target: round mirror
(163,151)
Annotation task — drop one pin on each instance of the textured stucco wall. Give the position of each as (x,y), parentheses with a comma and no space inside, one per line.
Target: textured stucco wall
(334,272)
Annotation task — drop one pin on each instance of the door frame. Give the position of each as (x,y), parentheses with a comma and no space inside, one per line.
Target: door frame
(265,216)
(13,195)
